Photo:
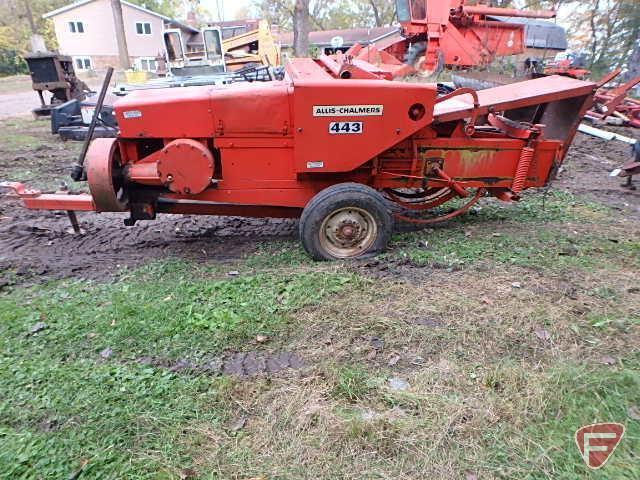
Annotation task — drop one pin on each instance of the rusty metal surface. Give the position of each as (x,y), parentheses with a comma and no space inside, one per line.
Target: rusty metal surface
(517,95)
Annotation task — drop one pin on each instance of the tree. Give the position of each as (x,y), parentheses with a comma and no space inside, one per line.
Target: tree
(119,33)
(329,15)
(384,12)
(605,29)
(168,8)
(634,62)
(301,28)
(23,18)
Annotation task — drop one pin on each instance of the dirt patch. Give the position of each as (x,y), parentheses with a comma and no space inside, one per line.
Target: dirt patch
(586,170)
(41,243)
(20,103)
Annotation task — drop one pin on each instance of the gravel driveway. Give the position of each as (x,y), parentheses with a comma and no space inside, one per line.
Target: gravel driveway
(13,104)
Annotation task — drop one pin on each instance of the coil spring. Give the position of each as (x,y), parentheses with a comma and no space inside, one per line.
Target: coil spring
(524,163)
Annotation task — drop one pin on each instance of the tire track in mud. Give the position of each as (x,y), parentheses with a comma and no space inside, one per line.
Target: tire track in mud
(36,243)
(238,364)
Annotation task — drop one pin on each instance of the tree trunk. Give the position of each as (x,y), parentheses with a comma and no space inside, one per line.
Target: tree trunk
(121,39)
(301,28)
(29,15)
(594,34)
(376,13)
(634,62)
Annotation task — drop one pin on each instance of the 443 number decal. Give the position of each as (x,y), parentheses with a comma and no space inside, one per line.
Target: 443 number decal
(341,128)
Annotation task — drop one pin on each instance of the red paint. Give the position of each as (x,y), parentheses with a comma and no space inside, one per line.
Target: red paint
(461,35)
(268,148)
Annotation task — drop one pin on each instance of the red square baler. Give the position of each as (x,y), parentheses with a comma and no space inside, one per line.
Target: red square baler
(332,143)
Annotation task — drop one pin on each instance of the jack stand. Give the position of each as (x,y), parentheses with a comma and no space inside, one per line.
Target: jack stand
(629,183)
(74,221)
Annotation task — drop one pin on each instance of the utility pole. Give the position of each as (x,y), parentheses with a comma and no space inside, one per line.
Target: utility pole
(123,51)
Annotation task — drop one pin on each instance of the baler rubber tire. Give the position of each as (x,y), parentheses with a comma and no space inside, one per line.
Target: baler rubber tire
(341,196)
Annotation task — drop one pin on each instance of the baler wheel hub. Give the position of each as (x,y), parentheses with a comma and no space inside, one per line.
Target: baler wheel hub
(348,231)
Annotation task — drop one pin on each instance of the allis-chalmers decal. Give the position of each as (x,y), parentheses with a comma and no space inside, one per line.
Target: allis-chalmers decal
(347,110)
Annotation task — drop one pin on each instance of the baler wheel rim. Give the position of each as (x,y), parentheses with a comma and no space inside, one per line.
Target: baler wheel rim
(344,221)
(348,231)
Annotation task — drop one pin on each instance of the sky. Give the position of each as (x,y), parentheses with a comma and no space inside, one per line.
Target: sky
(229,7)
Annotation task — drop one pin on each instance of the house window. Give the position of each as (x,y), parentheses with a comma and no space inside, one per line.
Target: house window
(143,28)
(147,64)
(76,27)
(82,63)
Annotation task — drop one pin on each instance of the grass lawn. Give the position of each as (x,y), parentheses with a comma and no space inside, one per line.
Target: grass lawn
(15,84)
(29,153)
(473,350)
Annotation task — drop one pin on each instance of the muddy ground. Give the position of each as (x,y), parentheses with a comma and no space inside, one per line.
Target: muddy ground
(39,245)
(586,171)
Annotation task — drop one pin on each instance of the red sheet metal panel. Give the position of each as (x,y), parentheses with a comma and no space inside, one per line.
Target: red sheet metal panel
(342,124)
(253,109)
(516,95)
(166,113)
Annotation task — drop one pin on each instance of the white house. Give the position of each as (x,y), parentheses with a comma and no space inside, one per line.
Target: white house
(86,31)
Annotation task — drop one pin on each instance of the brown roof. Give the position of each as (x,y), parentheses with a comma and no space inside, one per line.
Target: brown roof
(363,36)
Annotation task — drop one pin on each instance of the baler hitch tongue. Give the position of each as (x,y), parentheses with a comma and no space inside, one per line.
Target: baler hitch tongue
(19,189)
(36,200)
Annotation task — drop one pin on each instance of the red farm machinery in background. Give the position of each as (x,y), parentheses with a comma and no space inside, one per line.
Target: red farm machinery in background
(615,102)
(332,143)
(457,34)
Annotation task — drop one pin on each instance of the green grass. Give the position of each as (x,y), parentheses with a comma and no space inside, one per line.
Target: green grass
(127,421)
(536,232)
(575,395)
(548,248)
(352,383)
(165,309)
(539,207)
(62,402)
(20,133)
(279,254)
